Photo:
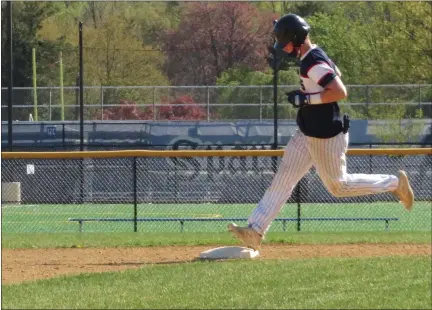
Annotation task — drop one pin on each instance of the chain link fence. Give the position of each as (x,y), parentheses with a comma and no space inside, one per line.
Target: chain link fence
(198,194)
(211,103)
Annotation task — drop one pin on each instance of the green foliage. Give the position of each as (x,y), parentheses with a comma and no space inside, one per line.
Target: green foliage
(246,76)
(371,42)
(116,49)
(28,18)
(377,42)
(397,128)
(149,19)
(118,58)
(263,96)
(374,42)
(302,8)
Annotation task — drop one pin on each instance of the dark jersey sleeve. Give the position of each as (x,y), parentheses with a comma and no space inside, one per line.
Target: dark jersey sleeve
(319,68)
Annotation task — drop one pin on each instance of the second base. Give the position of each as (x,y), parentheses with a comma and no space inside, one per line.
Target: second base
(229,252)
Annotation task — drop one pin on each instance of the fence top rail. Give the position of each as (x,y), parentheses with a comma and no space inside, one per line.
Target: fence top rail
(206,86)
(203,104)
(196,153)
(210,219)
(151,122)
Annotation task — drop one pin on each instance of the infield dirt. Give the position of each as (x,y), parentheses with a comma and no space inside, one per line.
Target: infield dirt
(20,265)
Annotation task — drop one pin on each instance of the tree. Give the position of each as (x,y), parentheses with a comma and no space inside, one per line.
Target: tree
(114,53)
(378,43)
(28,18)
(301,8)
(260,100)
(181,108)
(213,37)
(115,57)
(149,19)
(397,128)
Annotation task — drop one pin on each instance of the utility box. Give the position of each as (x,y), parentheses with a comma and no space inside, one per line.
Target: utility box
(11,192)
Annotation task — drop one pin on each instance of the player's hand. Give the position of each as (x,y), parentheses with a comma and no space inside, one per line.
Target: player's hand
(297,98)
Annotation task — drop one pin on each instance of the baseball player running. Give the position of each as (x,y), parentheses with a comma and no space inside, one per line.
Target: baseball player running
(321,140)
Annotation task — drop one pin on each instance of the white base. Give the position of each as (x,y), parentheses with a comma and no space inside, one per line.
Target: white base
(229,252)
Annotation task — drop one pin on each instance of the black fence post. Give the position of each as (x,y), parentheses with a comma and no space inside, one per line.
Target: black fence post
(81,180)
(10,90)
(81,106)
(368,100)
(176,185)
(81,85)
(275,110)
(135,195)
(77,102)
(297,198)
(63,137)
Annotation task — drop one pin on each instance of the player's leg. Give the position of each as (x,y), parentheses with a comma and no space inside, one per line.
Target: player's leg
(330,160)
(295,163)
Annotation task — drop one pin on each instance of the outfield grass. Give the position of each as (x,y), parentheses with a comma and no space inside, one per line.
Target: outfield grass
(366,283)
(68,240)
(54,218)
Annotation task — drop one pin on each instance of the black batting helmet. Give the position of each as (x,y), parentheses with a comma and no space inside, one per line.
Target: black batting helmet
(290,28)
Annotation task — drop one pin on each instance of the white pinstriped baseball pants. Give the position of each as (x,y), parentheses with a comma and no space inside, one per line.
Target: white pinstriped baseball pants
(328,157)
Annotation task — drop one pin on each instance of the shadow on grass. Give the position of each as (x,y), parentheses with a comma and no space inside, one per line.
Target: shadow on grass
(184,261)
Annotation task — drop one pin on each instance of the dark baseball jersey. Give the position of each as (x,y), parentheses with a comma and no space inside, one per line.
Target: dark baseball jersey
(316,72)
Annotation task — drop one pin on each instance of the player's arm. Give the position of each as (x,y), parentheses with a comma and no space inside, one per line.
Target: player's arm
(339,74)
(329,79)
(332,92)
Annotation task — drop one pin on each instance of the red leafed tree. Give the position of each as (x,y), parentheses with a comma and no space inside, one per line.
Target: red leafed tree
(126,110)
(181,108)
(213,37)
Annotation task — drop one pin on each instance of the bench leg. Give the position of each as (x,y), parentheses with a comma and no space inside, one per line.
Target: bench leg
(80,225)
(386,225)
(284,226)
(181,226)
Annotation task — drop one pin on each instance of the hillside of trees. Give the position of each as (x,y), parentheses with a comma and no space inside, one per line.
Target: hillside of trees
(214,43)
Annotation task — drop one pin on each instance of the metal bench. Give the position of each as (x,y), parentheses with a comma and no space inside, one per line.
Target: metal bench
(227,219)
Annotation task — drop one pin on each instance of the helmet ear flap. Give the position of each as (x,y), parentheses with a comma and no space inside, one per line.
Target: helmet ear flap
(295,41)
(299,39)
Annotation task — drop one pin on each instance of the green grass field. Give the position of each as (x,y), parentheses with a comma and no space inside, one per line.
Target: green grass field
(391,282)
(54,218)
(140,239)
(344,283)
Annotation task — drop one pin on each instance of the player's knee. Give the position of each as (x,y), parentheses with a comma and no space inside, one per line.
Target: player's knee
(338,188)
